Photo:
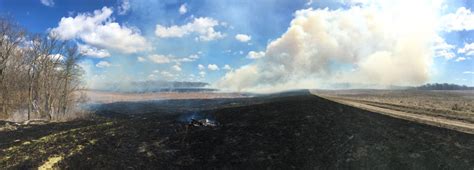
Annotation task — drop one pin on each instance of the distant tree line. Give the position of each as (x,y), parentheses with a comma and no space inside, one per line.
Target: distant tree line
(39,74)
(444,86)
(155,86)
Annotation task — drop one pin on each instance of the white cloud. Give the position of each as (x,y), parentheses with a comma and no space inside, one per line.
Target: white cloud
(468,49)
(141,59)
(183,9)
(227,67)
(124,7)
(92,51)
(56,57)
(152,77)
(164,75)
(468,72)
(159,59)
(176,67)
(99,30)
(462,20)
(443,49)
(459,59)
(201,67)
(103,64)
(255,55)
(194,56)
(185,59)
(202,73)
(190,58)
(203,27)
(49,3)
(373,44)
(243,37)
(212,67)
(167,75)
(163,59)
(446,54)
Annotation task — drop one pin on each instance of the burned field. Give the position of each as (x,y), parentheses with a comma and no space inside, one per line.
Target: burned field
(295,130)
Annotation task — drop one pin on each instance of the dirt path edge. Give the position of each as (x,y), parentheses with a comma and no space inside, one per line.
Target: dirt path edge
(424,119)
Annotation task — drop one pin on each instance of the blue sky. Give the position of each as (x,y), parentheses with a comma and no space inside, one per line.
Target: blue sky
(246,45)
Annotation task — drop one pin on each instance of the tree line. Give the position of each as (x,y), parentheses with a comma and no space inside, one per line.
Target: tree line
(444,86)
(39,74)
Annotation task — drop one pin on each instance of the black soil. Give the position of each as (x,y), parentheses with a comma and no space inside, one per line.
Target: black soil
(298,131)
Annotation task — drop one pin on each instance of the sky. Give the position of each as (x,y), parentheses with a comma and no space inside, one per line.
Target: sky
(265,45)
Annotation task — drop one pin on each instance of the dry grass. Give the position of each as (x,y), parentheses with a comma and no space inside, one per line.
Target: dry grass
(110,97)
(458,105)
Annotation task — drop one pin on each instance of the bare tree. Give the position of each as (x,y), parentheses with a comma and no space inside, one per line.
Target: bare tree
(71,73)
(41,69)
(10,37)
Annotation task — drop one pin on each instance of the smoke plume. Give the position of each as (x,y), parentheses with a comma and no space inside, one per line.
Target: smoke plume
(381,44)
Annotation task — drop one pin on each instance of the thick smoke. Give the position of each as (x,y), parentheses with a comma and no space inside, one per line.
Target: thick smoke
(377,44)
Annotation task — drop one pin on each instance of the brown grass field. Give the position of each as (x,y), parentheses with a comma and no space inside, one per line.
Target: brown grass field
(111,97)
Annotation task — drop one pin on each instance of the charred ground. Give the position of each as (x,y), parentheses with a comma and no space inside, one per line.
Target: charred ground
(292,130)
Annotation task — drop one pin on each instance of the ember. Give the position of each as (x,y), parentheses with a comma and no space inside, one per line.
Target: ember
(202,122)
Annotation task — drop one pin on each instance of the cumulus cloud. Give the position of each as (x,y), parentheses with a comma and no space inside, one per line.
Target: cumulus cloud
(201,67)
(159,59)
(468,49)
(459,59)
(92,51)
(194,56)
(49,3)
(99,30)
(167,75)
(164,75)
(141,59)
(255,55)
(203,27)
(468,72)
(227,67)
(370,44)
(176,67)
(103,64)
(163,59)
(190,58)
(202,73)
(124,7)
(183,9)
(212,67)
(443,49)
(243,37)
(461,20)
